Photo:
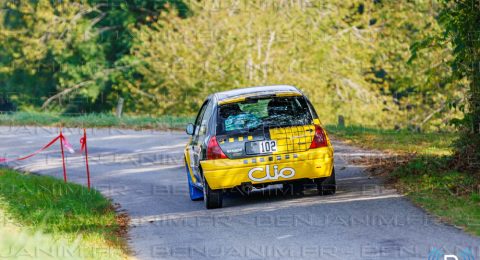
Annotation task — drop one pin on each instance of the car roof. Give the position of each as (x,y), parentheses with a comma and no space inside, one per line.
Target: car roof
(254,91)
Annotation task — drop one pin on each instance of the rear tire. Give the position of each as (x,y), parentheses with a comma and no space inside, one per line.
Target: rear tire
(213,198)
(327,186)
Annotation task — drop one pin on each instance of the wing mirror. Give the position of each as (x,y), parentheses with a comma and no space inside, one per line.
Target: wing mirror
(190,129)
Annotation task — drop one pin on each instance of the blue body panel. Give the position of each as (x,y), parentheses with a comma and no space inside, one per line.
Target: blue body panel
(196,193)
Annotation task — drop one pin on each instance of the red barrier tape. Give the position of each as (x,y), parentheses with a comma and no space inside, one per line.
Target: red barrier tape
(4,160)
(63,143)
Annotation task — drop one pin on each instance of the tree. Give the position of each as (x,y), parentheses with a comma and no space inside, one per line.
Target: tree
(461,20)
(350,57)
(50,47)
(119,19)
(61,55)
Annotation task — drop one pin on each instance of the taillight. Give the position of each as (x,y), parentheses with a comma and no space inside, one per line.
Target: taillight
(214,151)
(320,139)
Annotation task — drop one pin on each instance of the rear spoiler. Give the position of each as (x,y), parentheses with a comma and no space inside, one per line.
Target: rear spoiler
(258,96)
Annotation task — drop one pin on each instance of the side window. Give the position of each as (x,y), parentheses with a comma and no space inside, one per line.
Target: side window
(200,116)
(201,112)
(205,118)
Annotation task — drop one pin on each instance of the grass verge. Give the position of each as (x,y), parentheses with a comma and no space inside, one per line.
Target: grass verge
(52,219)
(94,120)
(422,168)
(393,141)
(454,196)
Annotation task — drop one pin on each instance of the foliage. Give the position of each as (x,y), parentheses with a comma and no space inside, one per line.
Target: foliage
(461,20)
(350,57)
(165,57)
(61,55)
(49,48)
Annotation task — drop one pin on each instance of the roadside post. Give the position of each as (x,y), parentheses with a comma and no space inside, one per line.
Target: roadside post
(84,147)
(63,157)
(64,144)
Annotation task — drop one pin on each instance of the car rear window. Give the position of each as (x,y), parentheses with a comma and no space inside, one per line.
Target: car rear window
(262,112)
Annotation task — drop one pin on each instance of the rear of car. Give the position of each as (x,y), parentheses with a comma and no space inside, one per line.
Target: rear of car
(265,139)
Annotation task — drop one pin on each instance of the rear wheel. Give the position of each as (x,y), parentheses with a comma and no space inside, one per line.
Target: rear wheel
(213,198)
(327,186)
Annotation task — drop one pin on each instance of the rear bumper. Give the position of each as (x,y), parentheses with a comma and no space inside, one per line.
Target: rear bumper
(227,173)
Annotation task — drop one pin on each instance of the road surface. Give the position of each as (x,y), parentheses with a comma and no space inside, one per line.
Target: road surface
(144,172)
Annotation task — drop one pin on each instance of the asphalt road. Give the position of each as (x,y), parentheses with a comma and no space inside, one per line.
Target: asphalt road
(144,172)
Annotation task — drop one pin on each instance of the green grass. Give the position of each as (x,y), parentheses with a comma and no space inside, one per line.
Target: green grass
(428,179)
(18,242)
(453,196)
(56,213)
(94,120)
(395,141)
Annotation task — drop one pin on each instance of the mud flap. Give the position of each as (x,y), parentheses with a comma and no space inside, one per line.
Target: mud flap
(195,193)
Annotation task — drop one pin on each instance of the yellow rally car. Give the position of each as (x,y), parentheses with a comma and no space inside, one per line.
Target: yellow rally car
(254,137)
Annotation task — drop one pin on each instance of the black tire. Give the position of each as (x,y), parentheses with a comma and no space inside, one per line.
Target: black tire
(213,198)
(327,186)
(293,188)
